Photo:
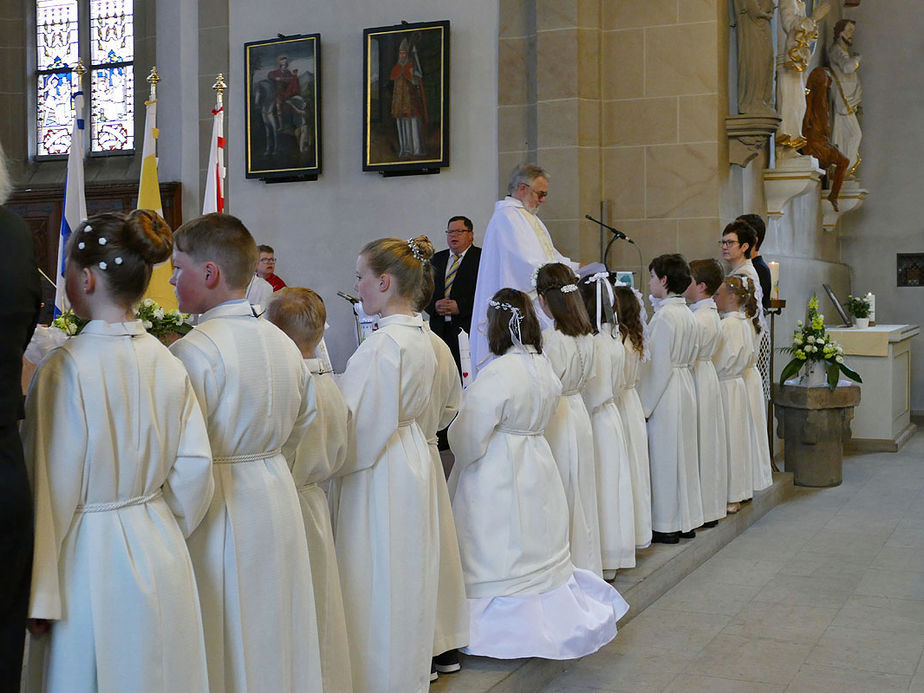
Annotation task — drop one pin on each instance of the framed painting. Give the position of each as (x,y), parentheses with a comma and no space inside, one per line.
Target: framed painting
(282,117)
(406,98)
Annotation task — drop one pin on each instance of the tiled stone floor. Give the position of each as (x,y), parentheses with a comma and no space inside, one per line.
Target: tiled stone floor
(823,594)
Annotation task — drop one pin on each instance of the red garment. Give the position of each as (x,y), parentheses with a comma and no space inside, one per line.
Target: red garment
(275,282)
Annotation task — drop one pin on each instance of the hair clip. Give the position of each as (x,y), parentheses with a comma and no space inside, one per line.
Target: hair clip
(81,245)
(102,241)
(535,277)
(415,249)
(118,260)
(102,265)
(87,228)
(568,288)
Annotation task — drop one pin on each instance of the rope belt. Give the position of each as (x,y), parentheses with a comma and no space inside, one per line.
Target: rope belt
(405,424)
(118,505)
(310,484)
(517,431)
(235,459)
(603,404)
(570,393)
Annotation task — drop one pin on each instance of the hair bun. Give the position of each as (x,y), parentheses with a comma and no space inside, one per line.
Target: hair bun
(149,235)
(425,249)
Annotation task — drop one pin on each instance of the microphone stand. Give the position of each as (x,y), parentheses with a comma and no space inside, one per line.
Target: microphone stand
(618,235)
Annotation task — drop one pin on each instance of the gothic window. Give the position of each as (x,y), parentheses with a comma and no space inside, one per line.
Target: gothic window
(102,33)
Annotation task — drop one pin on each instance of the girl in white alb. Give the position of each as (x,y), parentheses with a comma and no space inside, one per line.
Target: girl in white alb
(526,597)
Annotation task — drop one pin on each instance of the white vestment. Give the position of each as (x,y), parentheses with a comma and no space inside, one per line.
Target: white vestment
(259,293)
(669,402)
(732,358)
(121,473)
(320,454)
(516,242)
(571,438)
(451,605)
(250,552)
(762,472)
(614,476)
(633,421)
(711,433)
(527,599)
(847,95)
(386,527)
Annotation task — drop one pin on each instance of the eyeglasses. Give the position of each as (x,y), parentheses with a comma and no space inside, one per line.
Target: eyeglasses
(540,194)
(726,244)
(268,260)
(456,232)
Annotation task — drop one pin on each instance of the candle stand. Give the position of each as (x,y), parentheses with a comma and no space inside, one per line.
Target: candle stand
(776,307)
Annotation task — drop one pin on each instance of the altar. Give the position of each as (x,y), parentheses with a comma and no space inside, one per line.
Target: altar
(882,356)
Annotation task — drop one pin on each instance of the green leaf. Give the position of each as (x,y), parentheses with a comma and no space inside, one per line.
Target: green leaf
(852,374)
(790,370)
(832,371)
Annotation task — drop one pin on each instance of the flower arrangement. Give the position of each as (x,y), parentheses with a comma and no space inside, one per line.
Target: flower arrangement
(167,325)
(857,306)
(811,344)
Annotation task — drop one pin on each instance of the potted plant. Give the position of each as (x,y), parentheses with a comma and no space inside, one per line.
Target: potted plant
(859,308)
(168,326)
(814,351)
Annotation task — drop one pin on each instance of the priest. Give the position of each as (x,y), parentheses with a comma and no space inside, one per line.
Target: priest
(516,243)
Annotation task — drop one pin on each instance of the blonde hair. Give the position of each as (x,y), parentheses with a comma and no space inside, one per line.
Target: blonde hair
(300,313)
(408,262)
(224,240)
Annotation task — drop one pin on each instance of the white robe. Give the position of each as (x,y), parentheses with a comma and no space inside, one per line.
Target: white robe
(711,433)
(121,472)
(320,454)
(516,242)
(847,95)
(259,293)
(731,358)
(511,514)
(633,420)
(669,402)
(451,606)
(571,438)
(614,477)
(386,527)
(250,552)
(762,472)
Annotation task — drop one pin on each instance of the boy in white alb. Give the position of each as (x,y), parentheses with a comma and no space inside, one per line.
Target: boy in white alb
(713,440)
(250,554)
(300,313)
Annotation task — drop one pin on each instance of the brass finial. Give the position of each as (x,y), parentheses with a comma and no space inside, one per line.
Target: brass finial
(220,86)
(153,79)
(80,70)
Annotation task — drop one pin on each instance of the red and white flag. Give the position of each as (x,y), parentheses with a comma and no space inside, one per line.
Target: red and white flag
(214,181)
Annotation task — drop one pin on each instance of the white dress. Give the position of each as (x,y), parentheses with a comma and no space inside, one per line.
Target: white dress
(516,242)
(614,477)
(633,421)
(761,471)
(320,453)
(712,436)
(669,402)
(250,552)
(386,527)
(526,597)
(121,472)
(571,438)
(732,358)
(451,605)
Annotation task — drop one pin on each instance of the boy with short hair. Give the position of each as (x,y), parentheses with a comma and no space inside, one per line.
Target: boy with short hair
(250,554)
(300,313)
(712,436)
(669,401)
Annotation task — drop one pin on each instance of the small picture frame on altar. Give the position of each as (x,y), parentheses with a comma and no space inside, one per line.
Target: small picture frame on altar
(626,277)
(406,98)
(282,108)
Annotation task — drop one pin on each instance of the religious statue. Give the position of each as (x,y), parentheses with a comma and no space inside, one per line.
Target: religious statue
(755,56)
(797,35)
(816,128)
(408,103)
(848,93)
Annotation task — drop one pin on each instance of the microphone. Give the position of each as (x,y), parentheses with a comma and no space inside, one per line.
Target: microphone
(616,232)
(348,297)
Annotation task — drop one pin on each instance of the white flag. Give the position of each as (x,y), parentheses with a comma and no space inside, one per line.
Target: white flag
(75,202)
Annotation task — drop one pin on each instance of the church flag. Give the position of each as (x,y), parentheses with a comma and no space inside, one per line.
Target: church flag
(215,173)
(159,288)
(75,202)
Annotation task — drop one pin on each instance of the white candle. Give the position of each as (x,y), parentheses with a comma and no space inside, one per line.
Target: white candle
(872,306)
(774,279)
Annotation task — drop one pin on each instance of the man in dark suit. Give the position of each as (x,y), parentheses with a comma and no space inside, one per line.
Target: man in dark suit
(455,272)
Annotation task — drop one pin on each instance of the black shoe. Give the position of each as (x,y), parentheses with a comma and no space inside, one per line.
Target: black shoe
(688,535)
(665,537)
(448,662)
(434,675)
(711,524)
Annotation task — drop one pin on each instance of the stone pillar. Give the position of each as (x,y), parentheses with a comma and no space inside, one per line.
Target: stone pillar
(814,423)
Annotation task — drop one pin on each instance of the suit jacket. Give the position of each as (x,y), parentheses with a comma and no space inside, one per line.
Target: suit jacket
(462,292)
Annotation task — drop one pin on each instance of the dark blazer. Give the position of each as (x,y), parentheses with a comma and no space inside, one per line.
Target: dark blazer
(463,293)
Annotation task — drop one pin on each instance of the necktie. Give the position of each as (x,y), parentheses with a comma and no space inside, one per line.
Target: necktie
(451,275)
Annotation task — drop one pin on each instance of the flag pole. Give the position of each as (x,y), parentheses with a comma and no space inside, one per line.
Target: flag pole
(214,200)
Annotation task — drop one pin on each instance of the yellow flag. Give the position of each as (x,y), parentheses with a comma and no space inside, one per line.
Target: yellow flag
(149,198)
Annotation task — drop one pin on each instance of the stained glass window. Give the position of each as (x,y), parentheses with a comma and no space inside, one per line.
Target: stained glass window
(103,31)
